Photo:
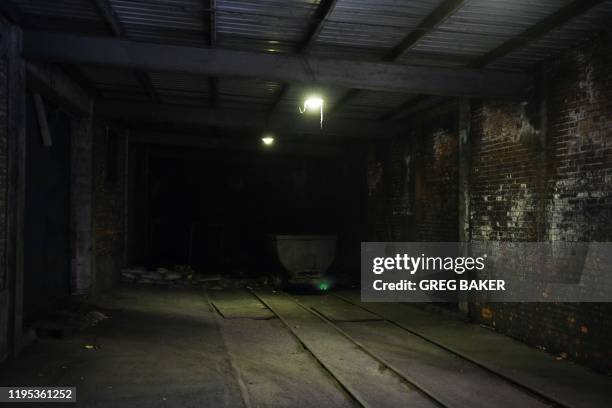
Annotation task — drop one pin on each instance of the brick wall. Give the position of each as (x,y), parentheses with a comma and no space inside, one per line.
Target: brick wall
(109,200)
(504,177)
(436,179)
(521,192)
(413,184)
(389,190)
(579,199)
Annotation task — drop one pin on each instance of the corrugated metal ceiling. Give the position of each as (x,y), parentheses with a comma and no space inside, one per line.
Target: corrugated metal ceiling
(355,29)
(175,22)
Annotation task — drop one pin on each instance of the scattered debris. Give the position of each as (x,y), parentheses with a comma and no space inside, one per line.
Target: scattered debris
(63,323)
(184,275)
(91,347)
(94,317)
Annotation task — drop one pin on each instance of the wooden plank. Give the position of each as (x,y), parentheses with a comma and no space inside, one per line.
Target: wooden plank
(54,84)
(428,366)
(359,373)
(337,310)
(43,124)
(239,304)
(569,385)
(377,76)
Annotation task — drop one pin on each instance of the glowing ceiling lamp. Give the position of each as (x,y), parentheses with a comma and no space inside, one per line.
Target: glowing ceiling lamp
(267,140)
(313,104)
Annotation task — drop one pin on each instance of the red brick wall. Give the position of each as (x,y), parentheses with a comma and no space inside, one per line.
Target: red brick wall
(579,200)
(436,180)
(532,178)
(563,193)
(504,174)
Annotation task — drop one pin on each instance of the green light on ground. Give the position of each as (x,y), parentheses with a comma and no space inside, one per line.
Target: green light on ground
(323,286)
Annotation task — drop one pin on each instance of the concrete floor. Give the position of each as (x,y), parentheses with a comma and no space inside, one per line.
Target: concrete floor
(184,348)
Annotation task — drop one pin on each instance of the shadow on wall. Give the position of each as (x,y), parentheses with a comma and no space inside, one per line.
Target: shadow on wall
(47,211)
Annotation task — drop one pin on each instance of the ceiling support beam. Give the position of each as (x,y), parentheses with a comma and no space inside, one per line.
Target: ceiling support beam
(114,26)
(199,141)
(431,21)
(403,107)
(12,13)
(77,76)
(54,84)
(213,92)
(213,82)
(110,18)
(321,14)
(200,117)
(144,80)
(377,76)
(534,32)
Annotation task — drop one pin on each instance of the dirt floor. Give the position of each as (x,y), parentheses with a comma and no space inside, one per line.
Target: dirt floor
(176,347)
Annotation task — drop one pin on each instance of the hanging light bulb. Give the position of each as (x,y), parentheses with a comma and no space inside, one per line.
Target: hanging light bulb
(313,104)
(267,140)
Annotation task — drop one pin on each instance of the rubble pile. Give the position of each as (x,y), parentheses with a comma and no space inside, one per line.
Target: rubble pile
(184,275)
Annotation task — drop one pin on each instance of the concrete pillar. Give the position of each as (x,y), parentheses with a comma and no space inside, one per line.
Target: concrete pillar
(12,182)
(82,262)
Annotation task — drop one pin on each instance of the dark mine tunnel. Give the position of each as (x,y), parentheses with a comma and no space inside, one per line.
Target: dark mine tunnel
(306,203)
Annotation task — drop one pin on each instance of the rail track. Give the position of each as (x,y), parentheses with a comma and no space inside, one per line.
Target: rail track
(522,386)
(413,381)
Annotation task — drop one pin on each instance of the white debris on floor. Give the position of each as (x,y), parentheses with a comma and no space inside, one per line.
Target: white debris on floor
(184,275)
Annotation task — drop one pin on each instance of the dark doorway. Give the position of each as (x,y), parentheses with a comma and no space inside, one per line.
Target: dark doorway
(47,211)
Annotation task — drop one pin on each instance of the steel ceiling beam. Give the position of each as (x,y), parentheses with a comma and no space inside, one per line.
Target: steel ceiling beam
(377,76)
(431,21)
(11,12)
(534,32)
(111,20)
(213,82)
(321,14)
